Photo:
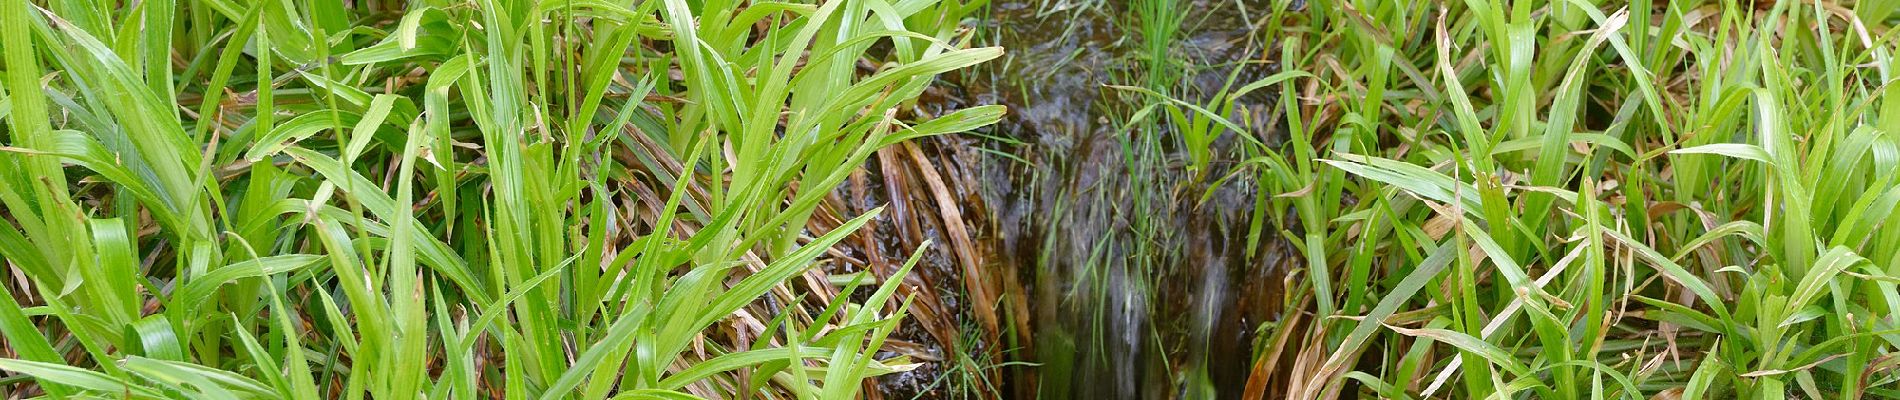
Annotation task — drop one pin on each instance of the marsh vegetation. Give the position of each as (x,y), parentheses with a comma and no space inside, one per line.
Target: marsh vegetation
(971,199)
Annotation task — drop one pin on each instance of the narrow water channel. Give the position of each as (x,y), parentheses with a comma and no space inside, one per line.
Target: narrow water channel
(1137,272)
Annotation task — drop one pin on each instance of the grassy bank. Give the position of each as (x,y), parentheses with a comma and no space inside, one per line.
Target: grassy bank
(1533,199)
(1567,199)
(217,199)
(546,199)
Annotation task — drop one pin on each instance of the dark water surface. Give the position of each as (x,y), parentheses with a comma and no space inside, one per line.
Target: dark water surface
(1135,287)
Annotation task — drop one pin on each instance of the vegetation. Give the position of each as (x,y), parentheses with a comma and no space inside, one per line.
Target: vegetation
(1566,199)
(640,199)
(1523,199)
(213,199)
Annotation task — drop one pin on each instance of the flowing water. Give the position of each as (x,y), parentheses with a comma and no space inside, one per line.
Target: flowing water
(1135,287)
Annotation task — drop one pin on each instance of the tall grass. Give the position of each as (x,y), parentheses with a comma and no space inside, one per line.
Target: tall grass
(548,199)
(629,199)
(1607,199)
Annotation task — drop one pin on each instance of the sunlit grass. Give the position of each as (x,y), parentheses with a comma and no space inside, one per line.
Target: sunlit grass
(1572,199)
(628,199)
(559,199)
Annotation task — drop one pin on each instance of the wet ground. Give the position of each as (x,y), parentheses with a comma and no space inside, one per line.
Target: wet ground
(1137,288)
(1108,274)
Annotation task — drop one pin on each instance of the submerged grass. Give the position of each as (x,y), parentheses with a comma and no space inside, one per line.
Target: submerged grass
(553,199)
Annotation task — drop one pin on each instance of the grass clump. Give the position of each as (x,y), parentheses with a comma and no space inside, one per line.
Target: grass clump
(553,199)
(1565,199)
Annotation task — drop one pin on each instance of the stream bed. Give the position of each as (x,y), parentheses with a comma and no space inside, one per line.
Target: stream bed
(1136,273)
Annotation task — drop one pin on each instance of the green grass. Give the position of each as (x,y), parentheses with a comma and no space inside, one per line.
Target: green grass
(605,199)
(1581,199)
(555,199)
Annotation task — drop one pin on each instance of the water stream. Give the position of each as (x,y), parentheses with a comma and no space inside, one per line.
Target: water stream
(1137,288)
